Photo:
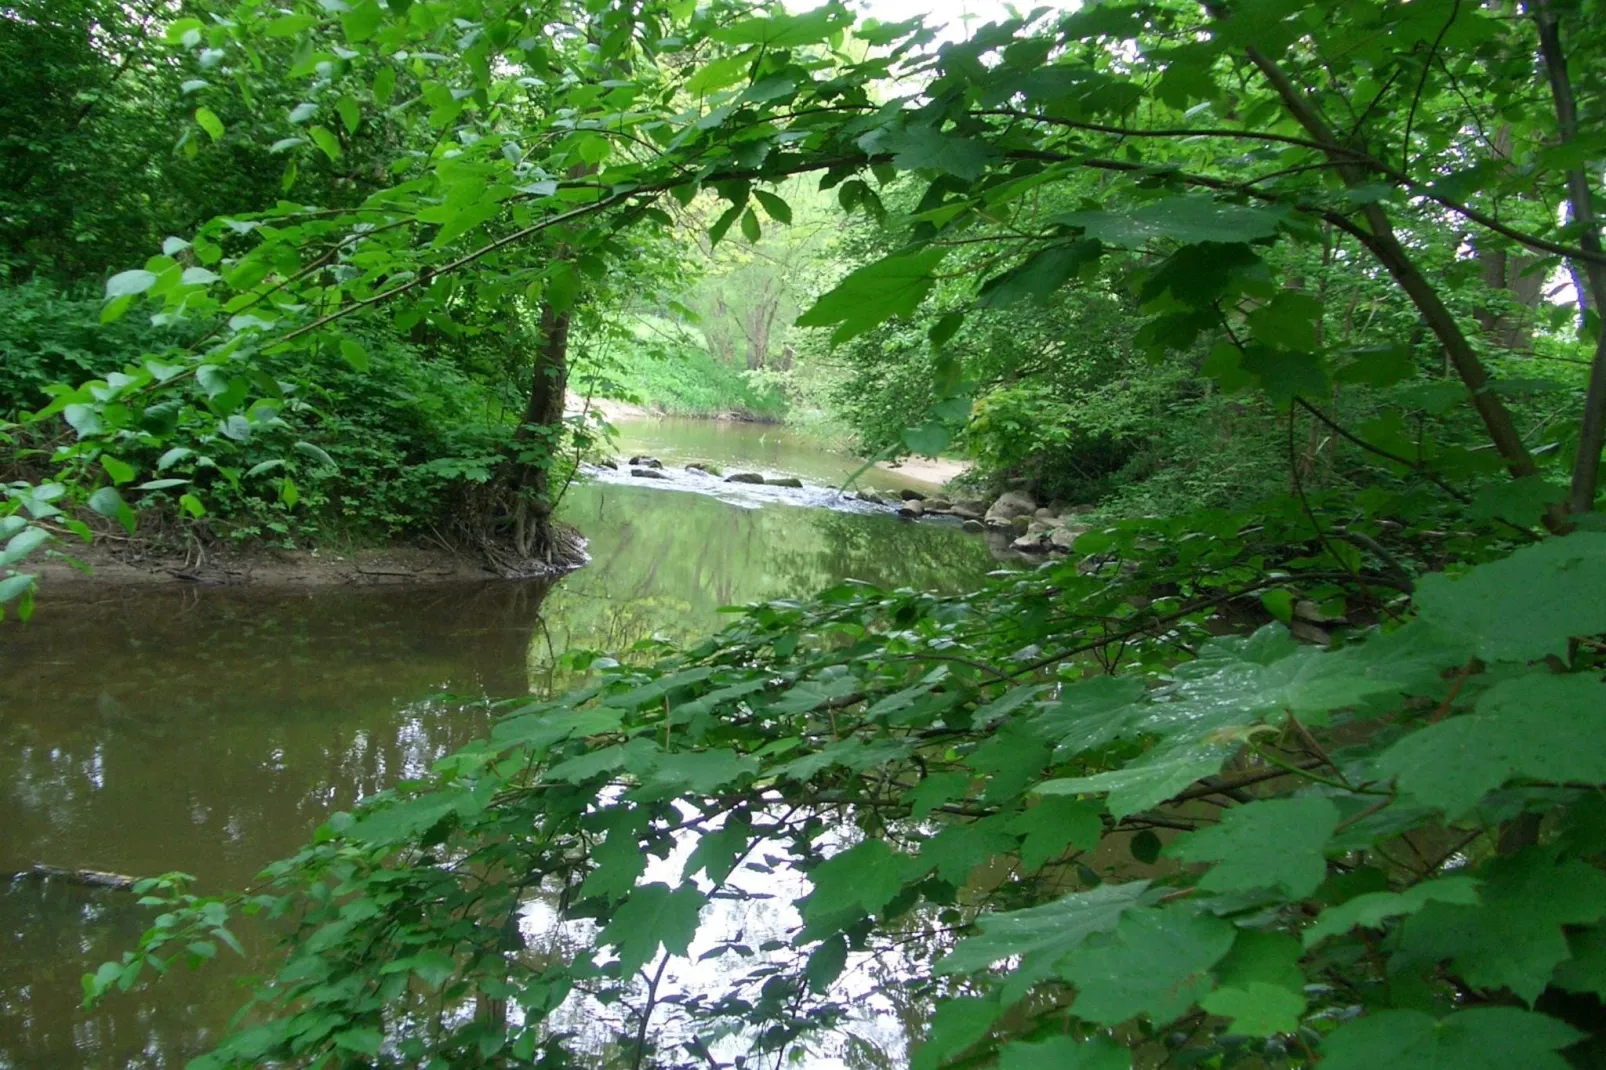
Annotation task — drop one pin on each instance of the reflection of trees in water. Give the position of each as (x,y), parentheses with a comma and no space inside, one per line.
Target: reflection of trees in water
(887,553)
(208,731)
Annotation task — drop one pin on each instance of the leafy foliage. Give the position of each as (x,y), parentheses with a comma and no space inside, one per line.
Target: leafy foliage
(1218,185)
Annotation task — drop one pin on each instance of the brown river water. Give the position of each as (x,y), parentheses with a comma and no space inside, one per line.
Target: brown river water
(210,730)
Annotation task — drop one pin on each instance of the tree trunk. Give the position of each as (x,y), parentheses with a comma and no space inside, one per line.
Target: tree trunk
(536,440)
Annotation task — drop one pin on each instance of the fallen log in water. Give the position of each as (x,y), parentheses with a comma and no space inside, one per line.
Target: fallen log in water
(89,878)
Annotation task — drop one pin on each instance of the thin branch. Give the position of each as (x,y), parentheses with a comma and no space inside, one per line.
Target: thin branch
(1416,100)
(1592,426)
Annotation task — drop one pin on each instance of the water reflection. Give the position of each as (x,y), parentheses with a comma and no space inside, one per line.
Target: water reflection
(210,730)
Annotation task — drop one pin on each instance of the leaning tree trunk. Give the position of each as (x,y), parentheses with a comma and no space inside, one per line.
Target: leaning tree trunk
(535,443)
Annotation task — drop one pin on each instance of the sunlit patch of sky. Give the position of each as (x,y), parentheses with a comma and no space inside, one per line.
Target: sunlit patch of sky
(957,18)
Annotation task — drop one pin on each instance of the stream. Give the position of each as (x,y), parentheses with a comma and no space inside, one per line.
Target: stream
(210,730)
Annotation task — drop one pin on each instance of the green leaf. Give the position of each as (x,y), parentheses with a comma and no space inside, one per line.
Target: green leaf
(1585,970)
(957,1025)
(875,293)
(1514,938)
(207,120)
(1521,501)
(718,74)
(539,731)
(1258,1009)
(289,493)
(1274,843)
(750,226)
(826,964)
(326,141)
(619,862)
(128,283)
(1238,680)
(1190,218)
(777,209)
(290,25)
(1156,963)
(106,501)
(1065,1053)
(120,471)
(1483,1038)
(863,878)
(15,586)
(365,1040)
(354,354)
(1039,276)
(1157,776)
(384,85)
(786,31)
(717,852)
(1051,931)
(653,916)
(927,148)
(84,419)
(695,772)
(1536,725)
(317,453)
(1090,714)
(1291,320)
(1260,984)
(1524,606)
(1372,909)
(927,440)
(1052,825)
(192,505)
(361,21)
(350,114)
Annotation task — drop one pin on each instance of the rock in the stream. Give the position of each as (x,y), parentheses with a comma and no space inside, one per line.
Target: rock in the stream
(646,462)
(1010,505)
(964,513)
(872,497)
(1020,525)
(705,468)
(1030,544)
(785,481)
(1062,538)
(608,462)
(744,477)
(911,509)
(648,473)
(974,526)
(938,505)
(911,496)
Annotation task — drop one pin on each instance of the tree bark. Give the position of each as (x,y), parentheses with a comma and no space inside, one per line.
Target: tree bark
(536,440)
(1592,426)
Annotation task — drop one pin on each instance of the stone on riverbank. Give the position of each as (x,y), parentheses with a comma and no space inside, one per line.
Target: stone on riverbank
(1062,538)
(911,509)
(1010,505)
(974,526)
(744,477)
(911,496)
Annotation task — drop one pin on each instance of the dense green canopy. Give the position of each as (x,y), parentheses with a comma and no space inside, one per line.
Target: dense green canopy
(1309,777)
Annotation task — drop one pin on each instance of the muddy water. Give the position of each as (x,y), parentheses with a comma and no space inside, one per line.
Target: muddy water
(210,730)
